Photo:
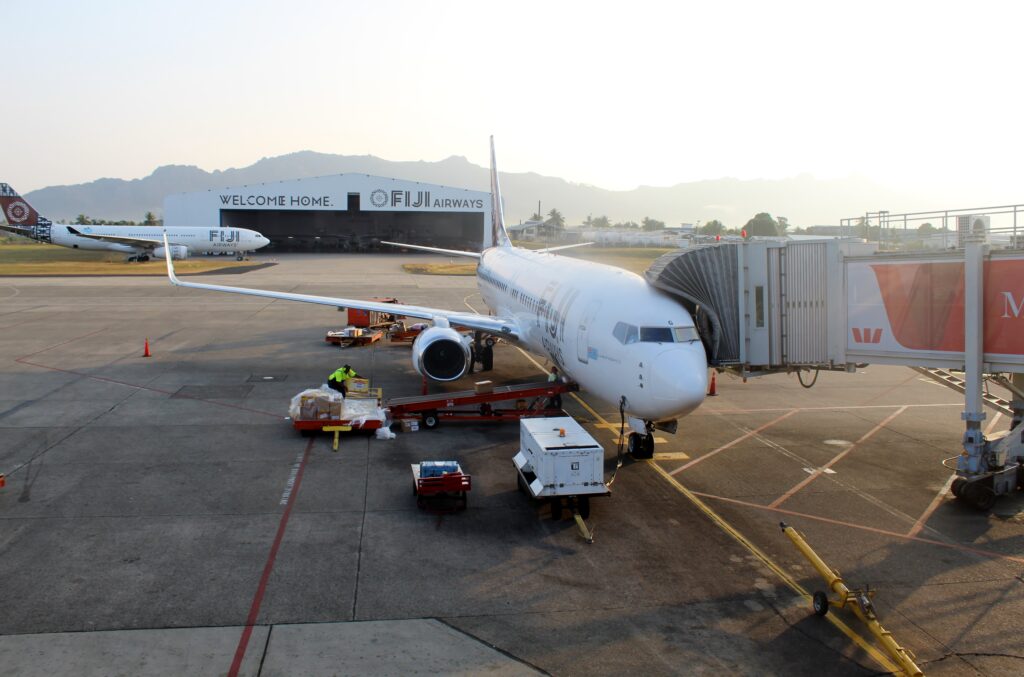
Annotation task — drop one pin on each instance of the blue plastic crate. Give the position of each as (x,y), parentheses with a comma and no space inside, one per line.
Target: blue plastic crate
(437,468)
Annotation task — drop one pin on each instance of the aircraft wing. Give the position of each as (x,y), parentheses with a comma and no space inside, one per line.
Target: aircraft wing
(434,250)
(17,230)
(561,247)
(142,243)
(493,325)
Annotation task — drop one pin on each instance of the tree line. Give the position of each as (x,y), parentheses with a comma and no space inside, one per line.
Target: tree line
(762,224)
(148,220)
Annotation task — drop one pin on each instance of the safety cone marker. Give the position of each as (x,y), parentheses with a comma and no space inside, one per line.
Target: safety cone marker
(711,391)
(3,481)
(146,351)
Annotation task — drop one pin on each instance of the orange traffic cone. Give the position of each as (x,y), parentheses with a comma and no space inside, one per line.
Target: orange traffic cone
(711,390)
(145,353)
(3,481)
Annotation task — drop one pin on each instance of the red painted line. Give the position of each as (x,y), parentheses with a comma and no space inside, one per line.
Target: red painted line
(734,442)
(817,473)
(883,532)
(261,589)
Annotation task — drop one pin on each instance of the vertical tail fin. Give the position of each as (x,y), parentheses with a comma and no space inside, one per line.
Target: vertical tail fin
(16,210)
(21,217)
(499,236)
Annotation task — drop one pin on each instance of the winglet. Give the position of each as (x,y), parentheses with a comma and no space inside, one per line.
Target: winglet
(499,235)
(167,255)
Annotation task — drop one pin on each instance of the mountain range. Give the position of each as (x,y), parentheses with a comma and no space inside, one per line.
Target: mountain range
(803,200)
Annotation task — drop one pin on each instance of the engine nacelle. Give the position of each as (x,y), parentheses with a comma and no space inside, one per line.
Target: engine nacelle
(179,252)
(441,354)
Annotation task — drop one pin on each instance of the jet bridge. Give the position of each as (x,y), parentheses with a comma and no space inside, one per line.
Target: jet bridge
(781,306)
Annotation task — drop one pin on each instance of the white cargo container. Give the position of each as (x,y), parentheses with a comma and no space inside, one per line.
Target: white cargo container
(558,458)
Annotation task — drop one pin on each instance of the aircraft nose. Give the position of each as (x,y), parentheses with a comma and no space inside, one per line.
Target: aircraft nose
(680,376)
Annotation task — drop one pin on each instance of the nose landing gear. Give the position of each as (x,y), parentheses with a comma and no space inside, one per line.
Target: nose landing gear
(640,446)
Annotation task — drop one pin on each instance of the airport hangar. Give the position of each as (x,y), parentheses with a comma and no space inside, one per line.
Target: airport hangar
(341,212)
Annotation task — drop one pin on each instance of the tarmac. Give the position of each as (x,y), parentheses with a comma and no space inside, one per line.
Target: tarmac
(161,516)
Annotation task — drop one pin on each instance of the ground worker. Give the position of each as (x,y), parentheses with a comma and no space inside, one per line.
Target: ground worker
(554,377)
(339,379)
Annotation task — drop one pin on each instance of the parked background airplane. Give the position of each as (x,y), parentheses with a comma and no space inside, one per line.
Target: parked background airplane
(604,327)
(139,242)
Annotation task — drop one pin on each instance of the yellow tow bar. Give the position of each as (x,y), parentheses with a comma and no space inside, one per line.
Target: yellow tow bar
(336,429)
(858,600)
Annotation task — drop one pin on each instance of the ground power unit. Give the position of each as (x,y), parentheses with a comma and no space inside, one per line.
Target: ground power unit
(558,458)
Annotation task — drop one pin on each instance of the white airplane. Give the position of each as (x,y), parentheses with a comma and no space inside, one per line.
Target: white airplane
(604,327)
(139,242)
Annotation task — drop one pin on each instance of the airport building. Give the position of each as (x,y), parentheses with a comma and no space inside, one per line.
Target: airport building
(342,212)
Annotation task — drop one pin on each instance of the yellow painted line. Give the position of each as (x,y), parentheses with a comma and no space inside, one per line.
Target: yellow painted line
(657,440)
(672,456)
(720,522)
(881,658)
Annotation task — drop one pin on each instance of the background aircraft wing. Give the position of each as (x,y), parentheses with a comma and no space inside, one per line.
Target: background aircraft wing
(434,250)
(564,246)
(142,243)
(492,325)
(17,230)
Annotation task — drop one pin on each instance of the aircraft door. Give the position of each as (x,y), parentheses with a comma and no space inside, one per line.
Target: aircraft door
(582,341)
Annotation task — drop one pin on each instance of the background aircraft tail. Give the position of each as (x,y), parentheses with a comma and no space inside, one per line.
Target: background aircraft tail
(499,236)
(21,218)
(17,211)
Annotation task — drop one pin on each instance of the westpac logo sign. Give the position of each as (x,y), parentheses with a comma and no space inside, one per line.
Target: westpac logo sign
(861,335)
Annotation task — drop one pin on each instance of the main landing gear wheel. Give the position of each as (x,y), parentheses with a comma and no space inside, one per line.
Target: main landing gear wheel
(820,603)
(958,487)
(640,446)
(979,495)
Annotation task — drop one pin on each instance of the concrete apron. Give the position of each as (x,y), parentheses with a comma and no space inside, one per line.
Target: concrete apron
(421,646)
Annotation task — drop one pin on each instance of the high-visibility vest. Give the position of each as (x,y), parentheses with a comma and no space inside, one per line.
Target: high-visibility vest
(341,375)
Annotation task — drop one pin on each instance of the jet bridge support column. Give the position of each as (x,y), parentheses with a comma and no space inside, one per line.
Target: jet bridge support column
(970,462)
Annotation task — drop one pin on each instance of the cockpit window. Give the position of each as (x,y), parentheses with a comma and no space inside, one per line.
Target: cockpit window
(684,334)
(628,333)
(625,333)
(656,335)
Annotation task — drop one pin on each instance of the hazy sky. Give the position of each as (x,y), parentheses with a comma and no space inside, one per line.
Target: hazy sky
(617,94)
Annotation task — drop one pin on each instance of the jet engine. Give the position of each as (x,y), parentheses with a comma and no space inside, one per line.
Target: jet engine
(441,354)
(178,252)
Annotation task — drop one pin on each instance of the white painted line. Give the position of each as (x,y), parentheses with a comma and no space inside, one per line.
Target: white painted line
(291,480)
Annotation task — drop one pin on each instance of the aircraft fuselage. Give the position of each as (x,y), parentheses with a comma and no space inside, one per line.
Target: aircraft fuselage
(604,327)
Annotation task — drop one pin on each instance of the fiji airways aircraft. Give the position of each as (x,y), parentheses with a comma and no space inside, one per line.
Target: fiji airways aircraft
(139,242)
(604,327)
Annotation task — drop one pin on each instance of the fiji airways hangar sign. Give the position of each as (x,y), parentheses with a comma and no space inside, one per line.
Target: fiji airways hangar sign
(325,193)
(331,192)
